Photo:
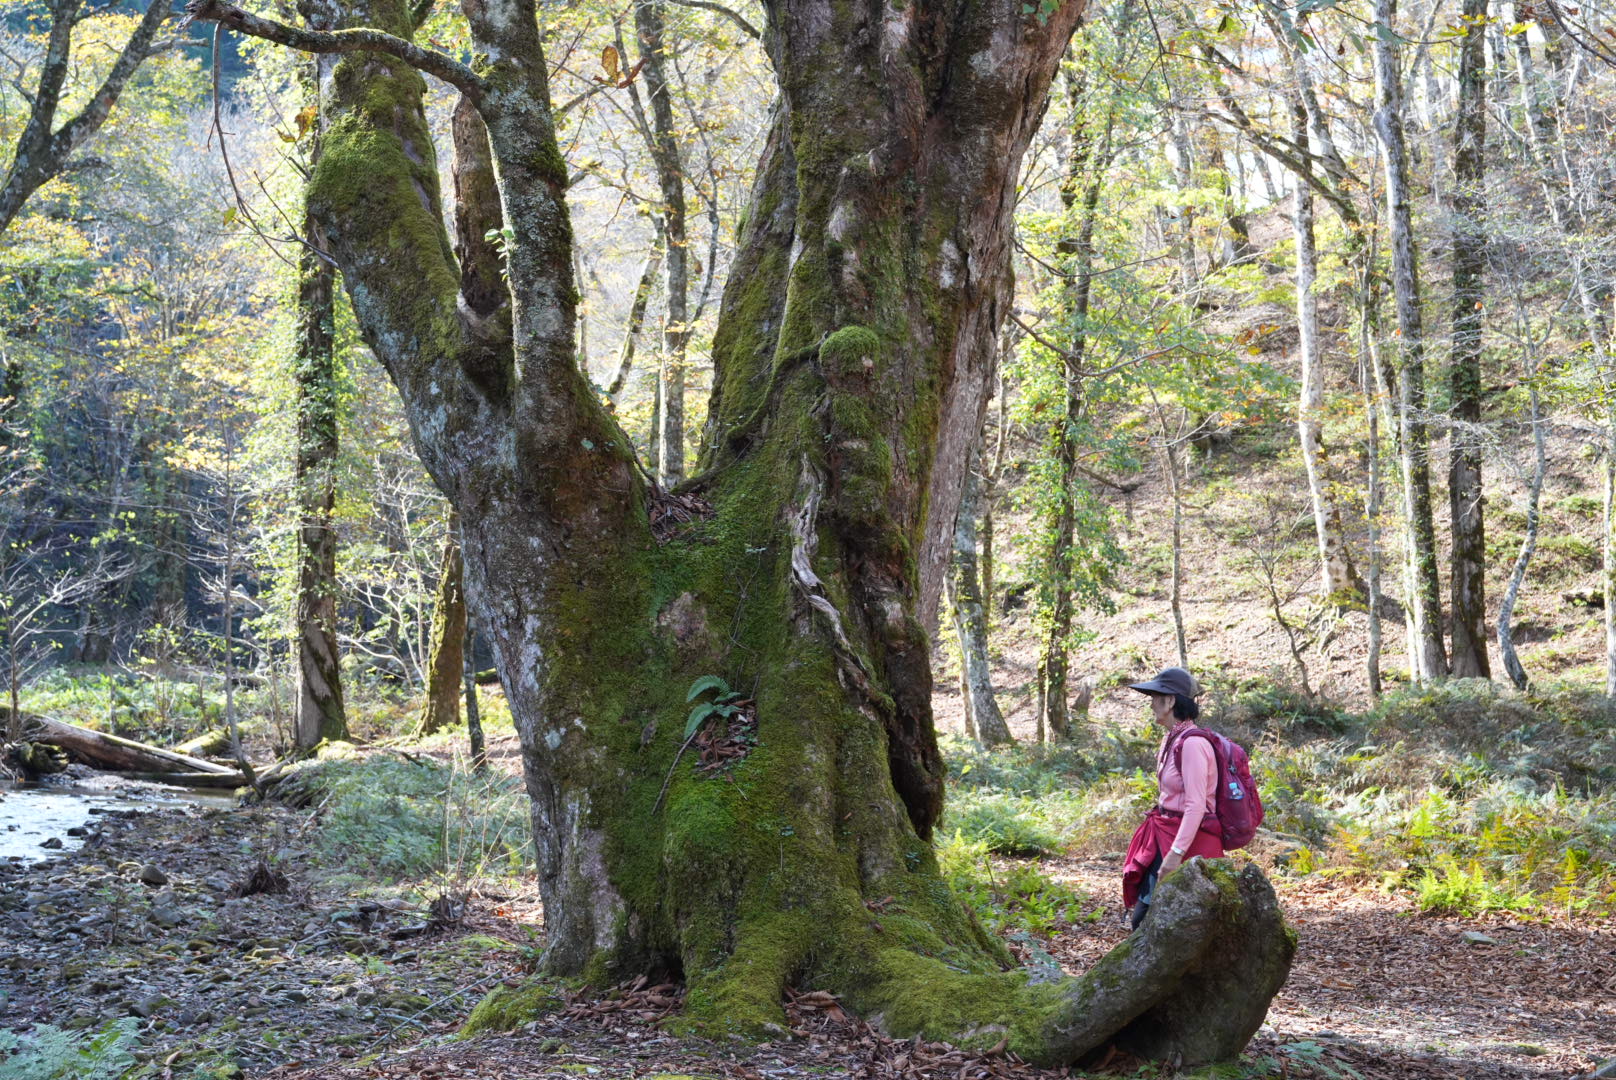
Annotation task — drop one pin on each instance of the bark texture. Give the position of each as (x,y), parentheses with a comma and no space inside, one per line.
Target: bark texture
(1428,653)
(1469,556)
(320,712)
(446,659)
(853,359)
(1339,578)
(650,29)
(983,720)
(1091,153)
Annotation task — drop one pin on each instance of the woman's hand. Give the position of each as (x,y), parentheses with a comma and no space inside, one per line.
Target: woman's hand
(1170,862)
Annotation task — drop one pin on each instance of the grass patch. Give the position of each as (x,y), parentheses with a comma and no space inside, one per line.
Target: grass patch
(415,819)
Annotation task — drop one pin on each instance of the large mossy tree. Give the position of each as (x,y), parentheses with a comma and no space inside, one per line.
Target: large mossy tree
(852,364)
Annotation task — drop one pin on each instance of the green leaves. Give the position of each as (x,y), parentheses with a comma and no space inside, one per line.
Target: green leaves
(727,703)
(704,684)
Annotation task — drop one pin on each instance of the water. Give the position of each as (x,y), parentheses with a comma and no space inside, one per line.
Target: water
(31,814)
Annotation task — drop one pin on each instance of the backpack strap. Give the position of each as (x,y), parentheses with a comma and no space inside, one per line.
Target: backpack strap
(1176,748)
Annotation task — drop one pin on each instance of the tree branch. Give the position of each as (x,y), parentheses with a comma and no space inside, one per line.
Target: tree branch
(431,61)
(729,13)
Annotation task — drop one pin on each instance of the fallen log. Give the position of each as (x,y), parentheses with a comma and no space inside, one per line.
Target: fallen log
(225,780)
(113,753)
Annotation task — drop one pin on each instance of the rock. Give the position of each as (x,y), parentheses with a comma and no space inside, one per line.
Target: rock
(169,916)
(146,1006)
(297,997)
(54,843)
(1476,937)
(152,875)
(78,830)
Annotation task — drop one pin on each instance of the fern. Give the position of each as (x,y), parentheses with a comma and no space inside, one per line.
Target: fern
(49,1053)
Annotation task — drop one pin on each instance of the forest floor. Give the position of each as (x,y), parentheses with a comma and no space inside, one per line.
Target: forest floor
(159,918)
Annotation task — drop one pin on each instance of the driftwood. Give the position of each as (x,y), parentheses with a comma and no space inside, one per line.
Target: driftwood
(227,780)
(117,754)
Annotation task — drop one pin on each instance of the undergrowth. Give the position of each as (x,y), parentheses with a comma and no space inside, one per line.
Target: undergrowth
(1467,797)
(414,818)
(49,1053)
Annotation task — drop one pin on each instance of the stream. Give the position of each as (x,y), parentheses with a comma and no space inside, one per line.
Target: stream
(41,821)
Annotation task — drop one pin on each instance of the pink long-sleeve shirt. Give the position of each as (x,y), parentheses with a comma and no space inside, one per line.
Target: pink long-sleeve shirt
(1193,792)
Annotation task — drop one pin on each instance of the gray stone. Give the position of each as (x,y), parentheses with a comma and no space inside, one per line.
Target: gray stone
(151,874)
(145,1006)
(169,917)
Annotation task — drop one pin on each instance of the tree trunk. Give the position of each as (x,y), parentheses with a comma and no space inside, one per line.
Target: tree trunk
(474,716)
(446,657)
(1425,600)
(1469,554)
(1175,585)
(852,361)
(1340,579)
(636,321)
(320,712)
(649,27)
(1368,364)
(1534,495)
(1090,155)
(984,721)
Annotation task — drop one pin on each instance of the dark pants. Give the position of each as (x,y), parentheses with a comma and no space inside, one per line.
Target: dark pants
(1147,888)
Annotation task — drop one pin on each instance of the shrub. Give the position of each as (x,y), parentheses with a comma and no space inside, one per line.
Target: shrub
(1274,705)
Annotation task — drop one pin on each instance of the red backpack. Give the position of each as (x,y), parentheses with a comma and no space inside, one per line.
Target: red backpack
(1239,807)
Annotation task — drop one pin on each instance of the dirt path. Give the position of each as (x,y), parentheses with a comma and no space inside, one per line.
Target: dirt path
(1403,995)
(145,923)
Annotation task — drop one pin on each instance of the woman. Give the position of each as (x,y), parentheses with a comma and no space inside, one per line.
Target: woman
(1184,821)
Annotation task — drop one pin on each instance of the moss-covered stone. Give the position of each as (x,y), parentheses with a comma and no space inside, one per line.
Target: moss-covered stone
(509,1007)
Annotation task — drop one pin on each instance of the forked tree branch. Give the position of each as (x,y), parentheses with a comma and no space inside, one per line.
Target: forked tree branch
(431,61)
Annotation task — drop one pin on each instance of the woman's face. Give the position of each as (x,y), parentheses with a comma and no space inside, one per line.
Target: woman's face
(1161,707)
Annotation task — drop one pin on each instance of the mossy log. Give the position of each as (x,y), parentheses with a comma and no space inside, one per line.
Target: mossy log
(113,753)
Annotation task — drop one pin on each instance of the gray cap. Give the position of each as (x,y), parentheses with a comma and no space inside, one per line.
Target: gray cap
(1173,680)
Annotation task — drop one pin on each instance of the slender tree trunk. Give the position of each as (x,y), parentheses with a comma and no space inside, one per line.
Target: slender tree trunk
(1175,595)
(1469,555)
(1534,494)
(1368,363)
(320,712)
(446,655)
(983,720)
(1425,600)
(636,322)
(1340,580)
(1239,247)
(1091,136)
(650,27)
(474,716)
(852,362)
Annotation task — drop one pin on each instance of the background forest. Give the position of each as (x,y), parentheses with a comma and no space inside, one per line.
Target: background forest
(1308,387)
